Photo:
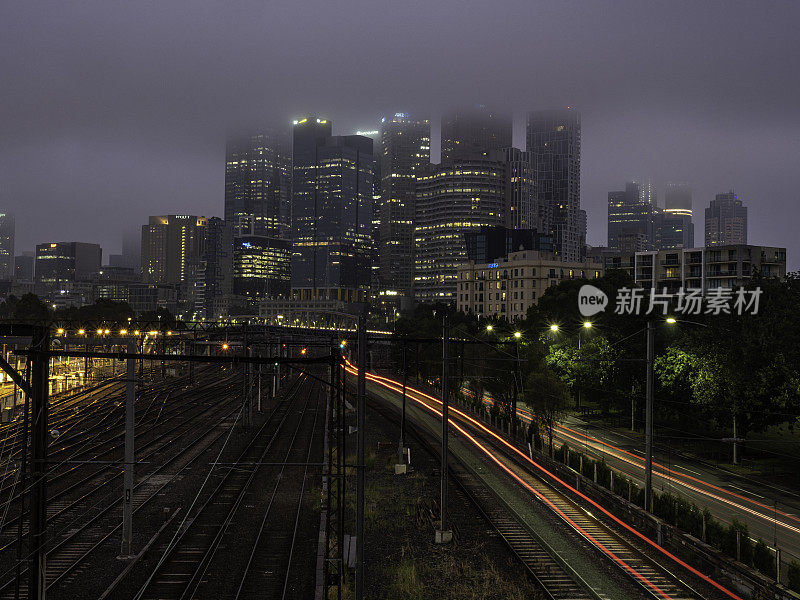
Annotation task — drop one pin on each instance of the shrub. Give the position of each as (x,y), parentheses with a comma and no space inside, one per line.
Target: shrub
(763,559)
(793,576)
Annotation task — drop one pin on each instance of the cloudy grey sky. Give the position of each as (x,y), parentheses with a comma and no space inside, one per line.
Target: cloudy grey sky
(111,111)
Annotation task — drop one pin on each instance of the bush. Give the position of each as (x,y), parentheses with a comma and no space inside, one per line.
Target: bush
(763,559)
(793,576)
(689,517)
(537,437)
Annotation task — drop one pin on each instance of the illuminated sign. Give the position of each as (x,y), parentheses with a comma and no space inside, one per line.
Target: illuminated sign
(367,133)
(246,244)
(401,115)
(493,265)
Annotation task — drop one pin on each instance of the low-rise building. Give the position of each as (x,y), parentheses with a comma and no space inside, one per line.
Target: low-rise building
(699,268)
(507,288)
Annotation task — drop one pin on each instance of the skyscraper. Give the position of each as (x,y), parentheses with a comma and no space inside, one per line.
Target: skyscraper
(633,219)
(520,191)
(60,265)
(454,198)
(261,267)
(6,247)
(331,213)
(405,153)
(677,229)
(258,184)
(554,141)
(474,132)
(726,220)
(215,276)
(172,248)
(23,267)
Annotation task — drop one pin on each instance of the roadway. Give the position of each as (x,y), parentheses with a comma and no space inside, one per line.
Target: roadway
(646,563)
(771,513)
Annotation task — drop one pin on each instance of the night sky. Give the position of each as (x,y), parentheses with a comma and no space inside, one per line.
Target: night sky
(113,111)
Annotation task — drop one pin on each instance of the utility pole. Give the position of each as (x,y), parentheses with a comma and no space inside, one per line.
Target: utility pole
(360,480)
(401,466)
(648,434)
(443,535)
(191,363)
(39,410)
(517,385)
(127,497)
(248,414)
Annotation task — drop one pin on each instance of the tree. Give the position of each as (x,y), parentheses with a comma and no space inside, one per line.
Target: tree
(30,308)
(548,398)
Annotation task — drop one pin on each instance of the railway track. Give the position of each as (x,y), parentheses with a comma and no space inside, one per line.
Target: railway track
(61,504)
(656,574)
(192,558)
(556,578)
(74,537)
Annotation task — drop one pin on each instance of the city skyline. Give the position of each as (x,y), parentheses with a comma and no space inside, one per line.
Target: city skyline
(112,123)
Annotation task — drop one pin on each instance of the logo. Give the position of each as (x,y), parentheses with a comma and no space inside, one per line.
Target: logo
(591,300)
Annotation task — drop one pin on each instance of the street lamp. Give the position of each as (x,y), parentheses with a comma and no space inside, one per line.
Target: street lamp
(489,328)
(554,327)
(517,334)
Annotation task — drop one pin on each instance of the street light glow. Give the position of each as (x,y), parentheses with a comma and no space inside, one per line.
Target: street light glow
(81,331)
(489,328)
(60,332)
(99,332)
(123,331)
(224,346)
(517,334)
(587,324)
(553,327)
(672,320)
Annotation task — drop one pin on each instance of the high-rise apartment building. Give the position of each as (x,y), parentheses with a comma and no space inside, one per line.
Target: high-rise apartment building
(554,141)
(726,221)
(6,247)
(331,213)
(258,177)
(474,132)
(454,198)
(405,152)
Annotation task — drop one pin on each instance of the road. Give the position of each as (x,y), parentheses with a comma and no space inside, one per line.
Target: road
(655,576)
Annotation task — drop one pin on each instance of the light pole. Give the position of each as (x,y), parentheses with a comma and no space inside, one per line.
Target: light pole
(648,427)
(586,326)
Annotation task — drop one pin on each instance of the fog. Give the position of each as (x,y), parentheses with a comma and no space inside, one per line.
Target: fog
(113,111)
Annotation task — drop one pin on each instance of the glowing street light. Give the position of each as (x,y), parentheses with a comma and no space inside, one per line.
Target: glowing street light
(672,320)
(99,332)
(489,328)
(136,332)
(517,334)
(554,327)
(60,332)
(225,346)
(123,331)
(81,332)
(587,324)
